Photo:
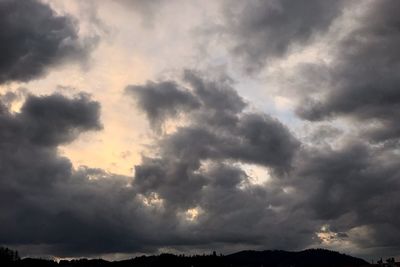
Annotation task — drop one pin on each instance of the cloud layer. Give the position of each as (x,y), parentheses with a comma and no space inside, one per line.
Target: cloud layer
(199,186)
(218,172)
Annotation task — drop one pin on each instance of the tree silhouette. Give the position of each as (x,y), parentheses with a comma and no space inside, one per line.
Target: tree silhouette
(8,256)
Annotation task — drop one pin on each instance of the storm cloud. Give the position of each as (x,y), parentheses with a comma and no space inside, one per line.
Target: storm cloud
(34,38)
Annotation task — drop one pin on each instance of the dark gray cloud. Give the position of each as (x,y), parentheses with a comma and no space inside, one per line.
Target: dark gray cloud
(34,38)
(364,78)
(51,120)
(197,167)
(162,100)
(263,30)
(218,96)
(354,190)
(54,120)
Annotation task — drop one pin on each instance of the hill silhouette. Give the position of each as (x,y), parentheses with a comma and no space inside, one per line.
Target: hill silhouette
(306,258)
(268,258)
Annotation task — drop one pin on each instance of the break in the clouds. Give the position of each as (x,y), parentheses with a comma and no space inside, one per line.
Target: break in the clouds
(217,169)
(34,38)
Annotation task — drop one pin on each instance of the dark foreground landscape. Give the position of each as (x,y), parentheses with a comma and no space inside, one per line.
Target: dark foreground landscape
(271,258)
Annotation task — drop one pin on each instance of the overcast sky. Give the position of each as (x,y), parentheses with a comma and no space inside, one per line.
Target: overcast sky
(138,127)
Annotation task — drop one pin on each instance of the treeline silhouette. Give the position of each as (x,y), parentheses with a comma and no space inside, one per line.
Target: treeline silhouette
(268,258)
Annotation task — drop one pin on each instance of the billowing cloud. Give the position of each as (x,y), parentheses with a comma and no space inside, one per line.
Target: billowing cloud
(197,171)
(55,120)
(162,100)
(34,38)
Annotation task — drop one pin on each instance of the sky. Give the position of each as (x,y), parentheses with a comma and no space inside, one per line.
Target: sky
(133,127)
